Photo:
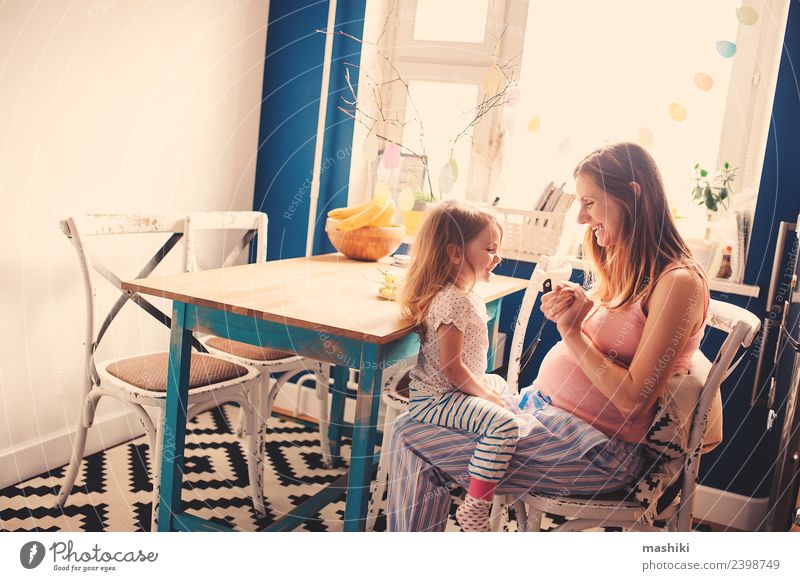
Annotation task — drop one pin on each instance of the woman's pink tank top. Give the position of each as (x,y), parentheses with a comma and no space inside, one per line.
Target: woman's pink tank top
(617,334)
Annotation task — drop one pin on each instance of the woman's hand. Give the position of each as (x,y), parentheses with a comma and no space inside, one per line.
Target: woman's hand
(567,306)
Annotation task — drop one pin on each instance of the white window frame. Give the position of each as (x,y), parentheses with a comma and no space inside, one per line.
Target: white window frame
(458,62)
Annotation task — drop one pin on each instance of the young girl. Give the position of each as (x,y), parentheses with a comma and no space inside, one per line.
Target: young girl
(456,247)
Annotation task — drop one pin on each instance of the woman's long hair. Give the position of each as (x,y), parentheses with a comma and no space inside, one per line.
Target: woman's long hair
(431,269)
(626,271)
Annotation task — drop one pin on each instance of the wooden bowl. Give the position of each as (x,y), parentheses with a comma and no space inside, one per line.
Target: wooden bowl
(369,243)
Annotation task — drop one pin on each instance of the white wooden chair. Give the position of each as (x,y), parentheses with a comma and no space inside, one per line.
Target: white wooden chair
(276,367)
(689,408)
(140,381)
(394,395)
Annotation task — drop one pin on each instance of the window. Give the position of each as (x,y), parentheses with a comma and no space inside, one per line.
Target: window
(450,21)
(442,50)
(705,98)
(691,81)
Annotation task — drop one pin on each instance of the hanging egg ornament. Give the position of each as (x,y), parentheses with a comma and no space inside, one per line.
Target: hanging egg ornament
(726,48)
(747,15)
(677,111)
(391,156)
(405,201)
(703,81)
(448,176)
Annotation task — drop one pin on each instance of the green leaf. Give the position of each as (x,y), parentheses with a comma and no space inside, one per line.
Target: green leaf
(711,202)
(703,173)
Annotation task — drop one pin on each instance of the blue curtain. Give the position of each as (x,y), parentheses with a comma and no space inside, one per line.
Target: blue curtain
(288,126)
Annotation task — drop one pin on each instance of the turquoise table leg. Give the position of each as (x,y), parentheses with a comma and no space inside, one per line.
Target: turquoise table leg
(340,376)
(174,432)
(364,435)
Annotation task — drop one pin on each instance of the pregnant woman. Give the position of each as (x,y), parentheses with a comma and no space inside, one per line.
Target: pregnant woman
(638,325)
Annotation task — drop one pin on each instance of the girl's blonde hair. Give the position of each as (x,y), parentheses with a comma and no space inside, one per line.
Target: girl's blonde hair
(626,272)
(431,269)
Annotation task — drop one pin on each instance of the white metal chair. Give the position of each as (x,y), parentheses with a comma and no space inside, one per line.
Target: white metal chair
(276,367)
(140,381)
(664,498)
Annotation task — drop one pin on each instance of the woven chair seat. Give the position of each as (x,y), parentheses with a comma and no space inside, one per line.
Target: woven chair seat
(150,371)
(398,396)
(252,352)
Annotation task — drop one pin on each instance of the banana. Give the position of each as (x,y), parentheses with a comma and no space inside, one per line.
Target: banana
(359,220)
(376,211)
(342,213)
(385,218)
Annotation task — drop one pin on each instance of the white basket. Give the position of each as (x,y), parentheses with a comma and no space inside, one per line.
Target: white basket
(527,234)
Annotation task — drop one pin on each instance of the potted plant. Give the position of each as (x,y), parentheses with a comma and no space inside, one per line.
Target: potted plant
(713,192)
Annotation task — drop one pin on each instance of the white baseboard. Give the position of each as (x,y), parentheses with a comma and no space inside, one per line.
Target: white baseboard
(728,509)
(303,402)
(55,449)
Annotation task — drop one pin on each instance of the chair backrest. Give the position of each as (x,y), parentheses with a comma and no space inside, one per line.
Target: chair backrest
(689,410)
(742,327)
(252,224)
(547,268)
(78,229)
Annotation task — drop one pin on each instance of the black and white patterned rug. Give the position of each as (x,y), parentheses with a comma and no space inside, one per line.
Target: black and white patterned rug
(113,490)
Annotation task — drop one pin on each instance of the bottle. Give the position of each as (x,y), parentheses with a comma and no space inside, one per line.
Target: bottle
(725,270)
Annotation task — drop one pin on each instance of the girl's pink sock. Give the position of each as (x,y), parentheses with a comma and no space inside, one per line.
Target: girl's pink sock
(481,489)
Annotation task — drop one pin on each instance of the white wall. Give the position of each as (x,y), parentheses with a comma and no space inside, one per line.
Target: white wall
(106,106)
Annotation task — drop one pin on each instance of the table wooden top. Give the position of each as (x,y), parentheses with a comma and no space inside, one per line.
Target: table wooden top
(328,293)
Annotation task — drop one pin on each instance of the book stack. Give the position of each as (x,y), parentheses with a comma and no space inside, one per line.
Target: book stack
(554,199)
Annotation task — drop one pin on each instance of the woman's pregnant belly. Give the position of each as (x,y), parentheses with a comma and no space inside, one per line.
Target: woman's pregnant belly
(568,386)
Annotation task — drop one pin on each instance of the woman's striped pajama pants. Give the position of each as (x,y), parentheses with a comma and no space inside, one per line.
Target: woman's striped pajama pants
(561,455)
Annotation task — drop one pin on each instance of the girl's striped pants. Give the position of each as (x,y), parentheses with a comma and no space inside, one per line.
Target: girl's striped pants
(495,426)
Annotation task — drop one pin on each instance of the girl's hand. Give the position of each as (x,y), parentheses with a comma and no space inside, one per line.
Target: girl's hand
(567,306)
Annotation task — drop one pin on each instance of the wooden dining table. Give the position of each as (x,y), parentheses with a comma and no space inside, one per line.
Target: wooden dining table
(326,308)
